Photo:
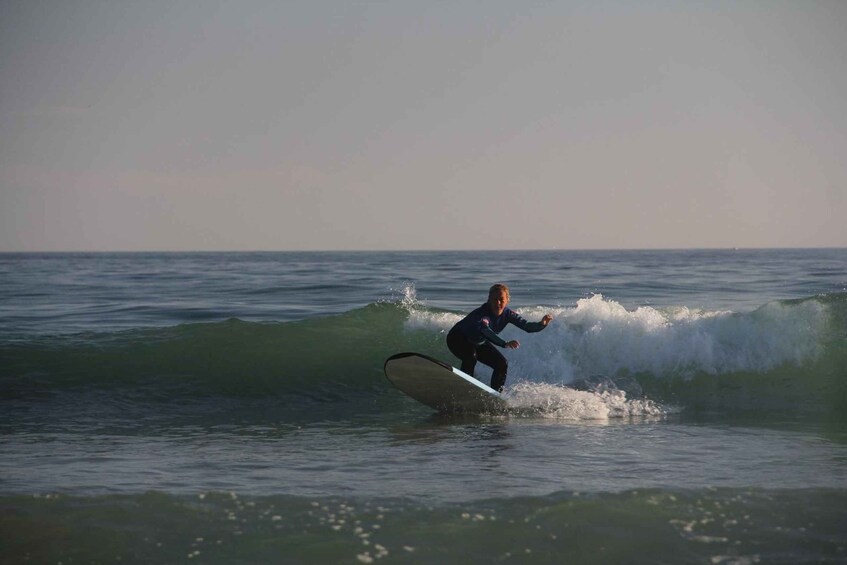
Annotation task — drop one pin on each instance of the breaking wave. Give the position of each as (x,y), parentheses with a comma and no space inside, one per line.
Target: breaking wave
(783,354)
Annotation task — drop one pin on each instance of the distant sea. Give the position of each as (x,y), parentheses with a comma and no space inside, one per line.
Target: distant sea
(232,408)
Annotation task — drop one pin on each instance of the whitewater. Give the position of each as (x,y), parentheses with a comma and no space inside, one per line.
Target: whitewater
(683,406)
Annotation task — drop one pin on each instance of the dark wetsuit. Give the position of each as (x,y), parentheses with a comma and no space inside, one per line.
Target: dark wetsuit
(472,337)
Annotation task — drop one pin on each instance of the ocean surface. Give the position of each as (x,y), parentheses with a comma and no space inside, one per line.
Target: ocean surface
(683,407)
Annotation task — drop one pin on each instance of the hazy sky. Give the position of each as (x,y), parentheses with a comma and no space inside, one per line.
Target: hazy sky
(421,124)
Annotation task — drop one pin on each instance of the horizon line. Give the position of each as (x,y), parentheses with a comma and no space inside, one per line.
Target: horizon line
(416,250)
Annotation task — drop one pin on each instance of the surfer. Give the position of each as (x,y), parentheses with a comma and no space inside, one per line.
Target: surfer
(473,338)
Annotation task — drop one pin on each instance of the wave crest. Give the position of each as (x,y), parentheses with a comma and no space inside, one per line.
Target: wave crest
(600,336)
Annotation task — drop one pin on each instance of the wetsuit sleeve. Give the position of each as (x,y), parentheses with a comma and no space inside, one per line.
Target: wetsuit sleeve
(489,334)
(530,327)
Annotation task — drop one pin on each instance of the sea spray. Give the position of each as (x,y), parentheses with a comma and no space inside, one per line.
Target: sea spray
(564,403)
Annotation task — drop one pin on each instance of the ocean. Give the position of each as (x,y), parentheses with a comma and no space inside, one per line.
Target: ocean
(684,406)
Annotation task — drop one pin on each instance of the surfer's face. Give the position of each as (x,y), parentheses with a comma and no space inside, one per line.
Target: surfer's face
(497,301)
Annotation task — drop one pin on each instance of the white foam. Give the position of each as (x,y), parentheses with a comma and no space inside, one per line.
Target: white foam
(563,403)
(600,336)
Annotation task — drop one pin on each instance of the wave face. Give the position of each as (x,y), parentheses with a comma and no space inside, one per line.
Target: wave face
(783,355)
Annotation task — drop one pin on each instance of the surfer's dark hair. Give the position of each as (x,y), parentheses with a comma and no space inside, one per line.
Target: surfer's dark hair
(497,289)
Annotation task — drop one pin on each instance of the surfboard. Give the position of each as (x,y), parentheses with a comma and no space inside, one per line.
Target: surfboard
(441,386)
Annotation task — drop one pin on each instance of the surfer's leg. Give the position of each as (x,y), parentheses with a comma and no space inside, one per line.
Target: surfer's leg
(489,355)
(464,350)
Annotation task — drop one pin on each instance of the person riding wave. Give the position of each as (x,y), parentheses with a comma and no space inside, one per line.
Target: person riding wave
(473,338)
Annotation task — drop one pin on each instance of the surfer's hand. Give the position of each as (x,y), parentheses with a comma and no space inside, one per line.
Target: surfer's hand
(512,344)
(546,320)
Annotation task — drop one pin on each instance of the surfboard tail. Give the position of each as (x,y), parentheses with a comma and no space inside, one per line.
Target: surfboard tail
(441,386)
